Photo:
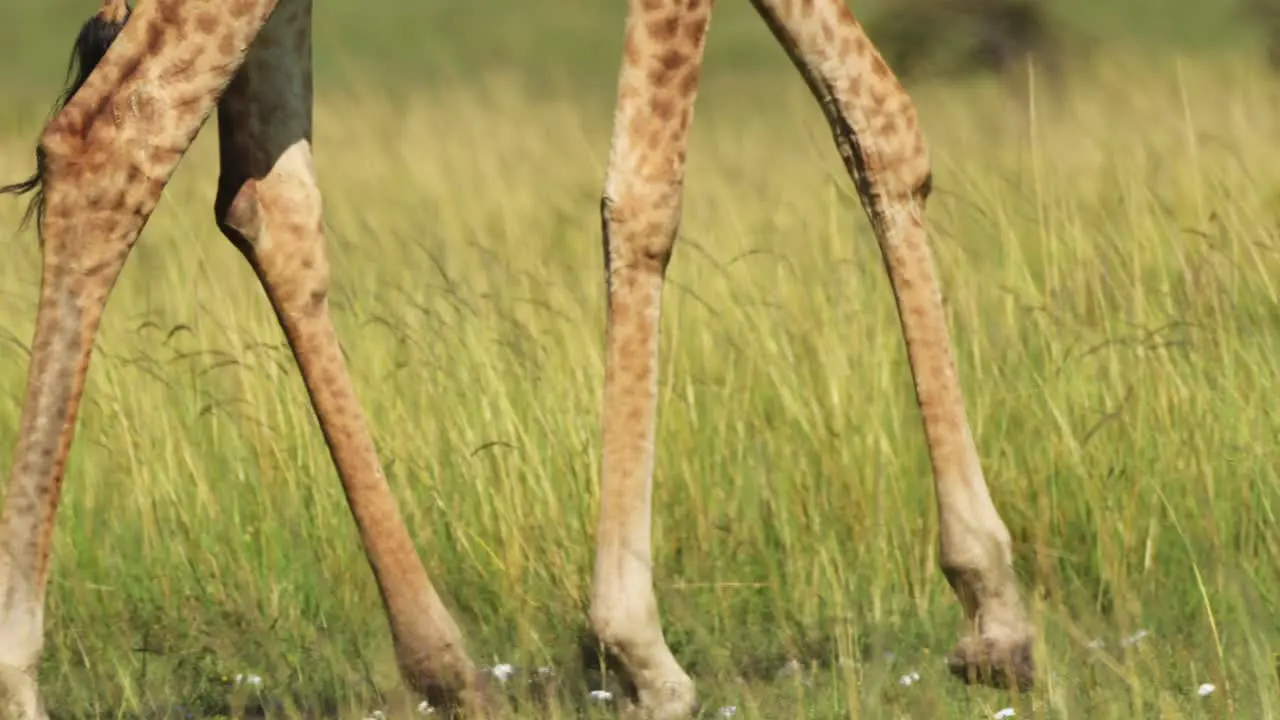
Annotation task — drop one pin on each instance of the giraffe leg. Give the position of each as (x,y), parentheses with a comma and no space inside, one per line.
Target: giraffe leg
(269,206)
(103,161)
(640,215)
(876,131)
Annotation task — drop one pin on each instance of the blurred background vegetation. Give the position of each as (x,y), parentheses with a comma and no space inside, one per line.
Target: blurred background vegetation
(1108,246)
(416,43)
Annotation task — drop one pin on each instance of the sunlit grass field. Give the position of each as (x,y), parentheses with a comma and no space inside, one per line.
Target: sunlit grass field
(1111,266)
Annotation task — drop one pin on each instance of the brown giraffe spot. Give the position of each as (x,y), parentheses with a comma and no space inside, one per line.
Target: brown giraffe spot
(664,29)
(696,30)
(860,43)
(227,44)
(155,38)
(241,8)
(169,15)
(878,95)
(662,107)
(668,63)
(689,82)
(880,68)
(206,23)
(672,59)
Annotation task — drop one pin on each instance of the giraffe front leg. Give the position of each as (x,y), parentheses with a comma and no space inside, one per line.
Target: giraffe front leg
(640,214)
(102,164)
(876,130)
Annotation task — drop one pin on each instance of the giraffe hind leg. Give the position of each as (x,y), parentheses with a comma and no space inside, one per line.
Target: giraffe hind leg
(269,206)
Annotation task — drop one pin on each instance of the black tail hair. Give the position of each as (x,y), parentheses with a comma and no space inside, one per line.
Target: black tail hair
(95,37)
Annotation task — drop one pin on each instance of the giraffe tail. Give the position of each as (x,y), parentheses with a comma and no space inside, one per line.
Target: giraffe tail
(91,44)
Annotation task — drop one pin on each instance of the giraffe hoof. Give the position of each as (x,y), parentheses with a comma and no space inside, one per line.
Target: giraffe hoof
(1001,664)
(672,699)
(475,700)
(482,701)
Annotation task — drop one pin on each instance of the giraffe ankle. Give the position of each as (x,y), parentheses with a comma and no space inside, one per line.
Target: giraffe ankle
(19,694)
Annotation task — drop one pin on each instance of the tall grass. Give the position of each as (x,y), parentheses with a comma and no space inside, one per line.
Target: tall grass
(1110,265)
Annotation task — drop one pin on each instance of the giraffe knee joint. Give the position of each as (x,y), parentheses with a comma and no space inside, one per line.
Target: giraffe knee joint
(236,211)
(59,150)
(911,175)
(974,554)
(277,224)
(282,205)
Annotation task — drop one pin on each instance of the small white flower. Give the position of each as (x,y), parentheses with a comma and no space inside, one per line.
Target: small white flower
(1206,689)
(1135,638)
(909,679)
(424,708)
(252,680)
(1096,644)
(376,715)
(1005,713)
(503,671)
(728,711)
(601,695)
